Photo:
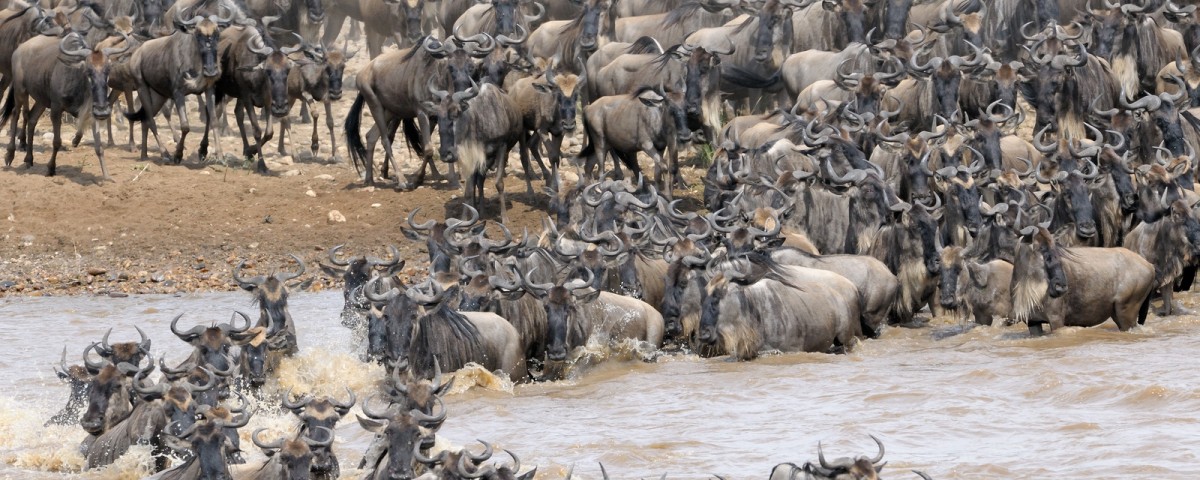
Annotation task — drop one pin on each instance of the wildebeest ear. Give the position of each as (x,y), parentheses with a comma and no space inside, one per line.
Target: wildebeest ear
(412,234)
(302,285)
(528,475)
(429,106)
(369,425)
(543,88)
(978,274)
(1027,91)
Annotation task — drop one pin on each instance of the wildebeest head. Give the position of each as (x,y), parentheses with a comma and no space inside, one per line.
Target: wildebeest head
(1106,24)
(449,108)
(74,51)
(988,129)
(321,412)
(772,27)
(724,299)
(391,333)
(494,471)
(506,11)
(211,344)
(1073,200)
(206,33)
(562,305)
(860,468)
(295,456)
(438,234)
(701,75)
(407,432)
(254,357)
(418,393)
(356,271)
(208,441)
(178,398)
(108,399)
(962,195)
(125,352)
(1053,88)
(683,287)
(952,265)
(271,294)
(1039,262)
(565,89)
(853,14)
(589,23)
(670,104)
(335,69)
(79,380)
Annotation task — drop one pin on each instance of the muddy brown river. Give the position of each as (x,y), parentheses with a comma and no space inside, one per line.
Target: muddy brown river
(980,403)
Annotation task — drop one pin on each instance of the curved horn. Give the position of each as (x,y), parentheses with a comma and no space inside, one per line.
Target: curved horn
(188,335)
(283,277)
(276,445)
(386,414)
(344,405)
(421,226)
(299,404)
(333,256)
(878,458)
(251,282)
(313,442)
(482,457)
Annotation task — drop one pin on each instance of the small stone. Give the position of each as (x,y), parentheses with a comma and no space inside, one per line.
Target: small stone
(325,176)
(95,271)
(48,137)
(367,189)
(376,205)
(285,161)
(206,172)
(290,173)
(310,193)
(157,278)
(252,190)
(253,245)
(336,217)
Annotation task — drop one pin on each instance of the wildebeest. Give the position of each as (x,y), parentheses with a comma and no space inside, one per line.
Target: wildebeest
(478,127)
(756,304)
(860,468)
(316,78)
(406,431)
(577,314)
(271,294)
(445,336)
(1170,239)
(64,75)
(79,380)
(548,106)
(647,120)
(355,272)
(289,459)
(320,413)
(979,290)
(877,286)
(573,41)
(173,67)
(108,398)
(211,345)
(207,441)
(1078,286)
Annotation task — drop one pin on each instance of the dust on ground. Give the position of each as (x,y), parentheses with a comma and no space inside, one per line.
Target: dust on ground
(165,228)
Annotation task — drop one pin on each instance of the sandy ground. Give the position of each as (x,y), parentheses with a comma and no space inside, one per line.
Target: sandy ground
(167,228)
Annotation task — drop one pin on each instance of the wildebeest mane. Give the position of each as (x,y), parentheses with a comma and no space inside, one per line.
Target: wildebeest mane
(644,44)
(447,335)
(679,14)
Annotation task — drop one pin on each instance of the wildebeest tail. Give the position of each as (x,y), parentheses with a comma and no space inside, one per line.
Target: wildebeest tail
(745,78)
(353,129)
(138,116)
(413,135)
(10,104)
(1144,310)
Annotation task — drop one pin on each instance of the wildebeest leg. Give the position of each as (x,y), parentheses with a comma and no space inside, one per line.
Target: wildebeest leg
(260,138)
(81,124)
(18,107)
(374,42)
(553,152)
(329,123)
(418,141)
(56,143)
(333,27)
(129,106)
(239,114)
(99,148)
(184,127)
(656,157)
(305,116)
(32,116)
(210,103)
(526,140)
(501,161)
(285,127)
(315,145)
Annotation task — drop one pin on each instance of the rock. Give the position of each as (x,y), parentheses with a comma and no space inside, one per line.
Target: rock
(285,160)
(336,217)
(376,205)
(205,172)
(290,173)
(325,176)
(310,193)
(252,190)
(158,278)
(367,189)
(96,271)
(253,245)
(117,294)
(48,137)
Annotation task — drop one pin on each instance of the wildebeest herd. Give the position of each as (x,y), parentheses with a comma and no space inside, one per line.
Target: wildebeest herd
(867,161)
